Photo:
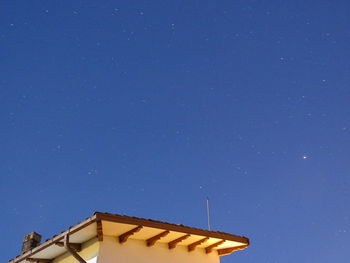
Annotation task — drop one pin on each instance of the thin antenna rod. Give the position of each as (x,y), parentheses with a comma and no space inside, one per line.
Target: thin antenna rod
(208,213)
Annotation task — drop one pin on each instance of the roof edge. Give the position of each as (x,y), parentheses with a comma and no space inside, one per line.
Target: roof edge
(54,239)
(169,226)
(98,216)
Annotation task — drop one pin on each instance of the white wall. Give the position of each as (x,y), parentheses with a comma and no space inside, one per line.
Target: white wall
(136,251)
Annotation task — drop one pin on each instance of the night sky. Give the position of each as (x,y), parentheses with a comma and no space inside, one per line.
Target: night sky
(145,108)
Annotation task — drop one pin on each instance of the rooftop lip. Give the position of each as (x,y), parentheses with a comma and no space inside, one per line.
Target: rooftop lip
(170,226)
(54,239)
(97,216)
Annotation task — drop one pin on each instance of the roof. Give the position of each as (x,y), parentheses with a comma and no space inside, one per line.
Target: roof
(150,231)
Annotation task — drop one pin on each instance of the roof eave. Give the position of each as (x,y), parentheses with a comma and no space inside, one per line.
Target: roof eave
(171,227)
(54,239)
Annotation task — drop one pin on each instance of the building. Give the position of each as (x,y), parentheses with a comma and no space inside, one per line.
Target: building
(110,238)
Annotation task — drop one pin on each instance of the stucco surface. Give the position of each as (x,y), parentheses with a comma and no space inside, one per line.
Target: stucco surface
(136,251)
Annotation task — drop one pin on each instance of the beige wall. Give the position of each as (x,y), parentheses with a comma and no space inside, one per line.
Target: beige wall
(136,251)
(88,252)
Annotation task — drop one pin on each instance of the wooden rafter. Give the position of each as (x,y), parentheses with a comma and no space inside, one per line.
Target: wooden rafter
(208,249)
(124,237)
(173,244)
(151,241)
(192,246)
(170,227)
(75,246)
(71,250)
(99,230)
(39,260)
(226,251)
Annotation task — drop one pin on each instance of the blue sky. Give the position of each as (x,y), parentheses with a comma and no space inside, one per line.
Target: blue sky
(144,108)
